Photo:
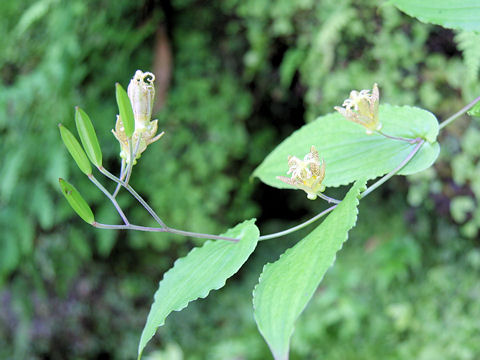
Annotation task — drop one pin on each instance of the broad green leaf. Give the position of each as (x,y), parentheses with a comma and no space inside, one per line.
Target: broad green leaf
(76,201)
(453,14)
(125,110)
(88,137)
(286,286)
(75,149)
(475,111)
(350,154)
(204,269)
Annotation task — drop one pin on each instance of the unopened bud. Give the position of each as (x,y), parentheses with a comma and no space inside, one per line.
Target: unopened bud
(141,92)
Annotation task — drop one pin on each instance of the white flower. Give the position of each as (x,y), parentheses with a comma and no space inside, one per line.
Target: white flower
(141,93)
(307,174)
(362,108)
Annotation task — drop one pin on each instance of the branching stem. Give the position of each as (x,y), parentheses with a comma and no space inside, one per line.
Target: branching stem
(112,199)
(122,175)
(164,230)
(164,227)
(134,194)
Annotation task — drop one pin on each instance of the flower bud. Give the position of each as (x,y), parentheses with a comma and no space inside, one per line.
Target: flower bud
(141,92)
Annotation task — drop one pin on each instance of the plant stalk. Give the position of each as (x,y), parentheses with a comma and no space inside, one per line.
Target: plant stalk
(459,113)
(112,199)
(164,230)
(164,227)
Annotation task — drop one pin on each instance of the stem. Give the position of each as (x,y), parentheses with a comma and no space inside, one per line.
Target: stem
(164,230)
(164,227)
(112,199)
(134,194)
(199,235)
(298,227)
(410,141)
(122,174)
(126,227)
(130,162)
(459,113)
(328,199)
(394,171)
(133,155)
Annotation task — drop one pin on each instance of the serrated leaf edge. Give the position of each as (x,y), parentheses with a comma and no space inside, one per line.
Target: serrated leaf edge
(357,202)
(204,294)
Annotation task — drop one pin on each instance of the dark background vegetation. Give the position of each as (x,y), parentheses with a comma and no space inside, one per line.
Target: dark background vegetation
(233,79)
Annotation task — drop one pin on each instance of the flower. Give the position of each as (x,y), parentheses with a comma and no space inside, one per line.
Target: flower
(362,108)
(141,93)
(307,174)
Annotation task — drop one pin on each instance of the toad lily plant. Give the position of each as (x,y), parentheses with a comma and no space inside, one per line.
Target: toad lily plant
(338,153)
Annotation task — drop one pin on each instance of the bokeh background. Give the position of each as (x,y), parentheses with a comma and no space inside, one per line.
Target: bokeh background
(234,78)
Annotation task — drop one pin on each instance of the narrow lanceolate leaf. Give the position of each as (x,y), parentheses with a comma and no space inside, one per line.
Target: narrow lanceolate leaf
(286,286)
(76,201)
(88,137)
(75,149)
(204,269)
(350,154)
(453,14)
(125,110)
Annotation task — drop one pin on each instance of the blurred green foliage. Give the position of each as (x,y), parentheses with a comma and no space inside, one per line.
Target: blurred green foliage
(245,74)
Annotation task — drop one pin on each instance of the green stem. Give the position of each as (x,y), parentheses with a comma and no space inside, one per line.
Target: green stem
(134,194)
(112,199)
(130,160)
(164,230)
(328,199)
(122,174)
(298,227)
(459,113)
(164,227)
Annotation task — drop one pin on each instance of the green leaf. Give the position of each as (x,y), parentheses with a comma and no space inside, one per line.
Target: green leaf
(286,286)
(76,201)
(88,137)
(469,43)
(453,14)
(204,269)
(475,111)
(75,149)
(350,154)
(125,110)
